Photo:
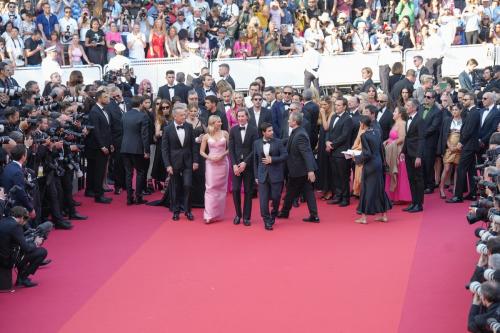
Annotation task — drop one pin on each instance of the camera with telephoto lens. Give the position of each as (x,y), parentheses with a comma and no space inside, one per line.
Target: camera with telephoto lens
(42,231)
(493,324)
(491,274)
(481,248)
(13,91)
(484,234)
(77,99)
(475,287)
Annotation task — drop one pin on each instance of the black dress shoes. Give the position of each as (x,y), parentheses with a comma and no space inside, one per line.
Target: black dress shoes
(130,201)
(268,226)
(455,200)
(344,204)
(189,216)
(236,220)
(26,282)
(76,203)
(470,197)
(118,190)
(410,207)
(89,194)
(102,199)
(64,225)
(335,201)
(176,216)
(45,262)
(428,191)
(416,209)
(246,222)
(311,218)
(77,216)
(140,201)
(282,215)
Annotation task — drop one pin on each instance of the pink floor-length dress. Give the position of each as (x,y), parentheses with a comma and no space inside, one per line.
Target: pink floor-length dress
(402,191)
(216,181)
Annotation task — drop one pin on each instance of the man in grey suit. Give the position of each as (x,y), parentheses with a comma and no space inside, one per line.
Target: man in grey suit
(135,149)
(268,161)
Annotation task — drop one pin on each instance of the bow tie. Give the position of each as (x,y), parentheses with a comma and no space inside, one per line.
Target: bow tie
(180,127)
(228,104)
(266,142)
(207,91)
(242,128)
(410,118)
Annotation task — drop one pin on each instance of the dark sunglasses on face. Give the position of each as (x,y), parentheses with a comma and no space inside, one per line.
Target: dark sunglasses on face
(287,92)
(429,97)
(257,99)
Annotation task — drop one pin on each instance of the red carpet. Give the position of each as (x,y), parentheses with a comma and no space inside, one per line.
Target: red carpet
(132,269)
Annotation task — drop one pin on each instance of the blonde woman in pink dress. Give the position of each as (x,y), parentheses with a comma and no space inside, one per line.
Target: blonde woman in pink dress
(216,169)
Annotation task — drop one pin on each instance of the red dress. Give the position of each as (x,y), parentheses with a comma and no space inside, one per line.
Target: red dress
(158,46)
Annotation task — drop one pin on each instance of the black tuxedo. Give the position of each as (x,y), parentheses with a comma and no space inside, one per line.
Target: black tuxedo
(164,92)
(364,87)
(99,137)
(299,163)
(413,148)
(277,112)
(265,117)
(285,128)
(443,136)
(182,90)
(181,158)
(205,114)
(230,80)
(202,94)
(469,138)
(242,151)
(489,126)
(135,143)
(432,125)
(270,177)
(355,124)
(118,168)
(339,133)
(386,122)
(311,113)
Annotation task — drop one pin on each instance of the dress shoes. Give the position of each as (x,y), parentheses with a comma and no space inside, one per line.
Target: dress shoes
(246,222)
(282,215)
(236,220)
(311,218)
(45,262)
(90,194)
(130,201)
(102,199)
(76,203)
(344,204)
(118,191)
(189,216)
(64,225)
(470,197)
(428,191)
(77,216)
(140,201)
(26,282)
(268,227)
(410,207)
(175,217)
(107,189)
(335,201)
(416,209)
(455,200)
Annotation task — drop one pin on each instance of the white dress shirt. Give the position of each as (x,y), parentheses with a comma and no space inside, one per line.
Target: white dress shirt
(266,147)
(103,112)
(257,117)
(337,119)
(486,112)
(243,132)
(181,134)
(380,114)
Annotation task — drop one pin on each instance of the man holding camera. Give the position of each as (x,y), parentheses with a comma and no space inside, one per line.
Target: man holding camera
(484,306)
(31,255)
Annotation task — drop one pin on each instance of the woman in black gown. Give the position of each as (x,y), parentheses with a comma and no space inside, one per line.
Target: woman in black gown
(198,188)
(325,181)
(373,199)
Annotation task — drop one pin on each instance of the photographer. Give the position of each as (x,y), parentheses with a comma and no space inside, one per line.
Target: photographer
(484,306)
(31,255)
(286,44)
(229,17)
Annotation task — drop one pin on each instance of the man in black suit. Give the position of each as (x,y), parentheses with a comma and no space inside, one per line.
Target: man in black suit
(406,83)
(467,78)
(269,155)
(224,74)
(205,90)
(277,109)
(355,113)
(413,152)
(181,89)
(384,116)
(180,157)
(226,103)
(212,110)
(371,111)
(286,130)
(433,120)
(311,113)
(338,139)
(301,167)
(167,91)
(258,114)
(116,109)
(468,145)
(490,117)
(98,146)
(366,74)
(135,149)
(241,139)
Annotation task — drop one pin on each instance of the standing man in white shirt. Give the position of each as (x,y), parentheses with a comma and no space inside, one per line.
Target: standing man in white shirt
(434,49)
(312,60)
(15,48)
(136,42)
(68,26)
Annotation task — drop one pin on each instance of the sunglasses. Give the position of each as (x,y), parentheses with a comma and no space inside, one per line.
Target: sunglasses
(485,98)
(429,97)
(382,101)
(158,103)
(166,107)
(257,99)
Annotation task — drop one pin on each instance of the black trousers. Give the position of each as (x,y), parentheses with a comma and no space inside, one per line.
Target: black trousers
(30,262)
(96,166)
(140,164)
(466,168)
(310,78)
(51,199)
(269,191)
(118,169)
(428,162)
(416,177)
(434,66)
(296,186)
(181,182)
(341,170)
(67,191)
(384,72)
(248,180)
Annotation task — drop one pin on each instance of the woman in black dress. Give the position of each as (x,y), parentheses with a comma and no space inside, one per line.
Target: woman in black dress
(198,188)
(325,181)
(95,43)
(373,199)
(162,118)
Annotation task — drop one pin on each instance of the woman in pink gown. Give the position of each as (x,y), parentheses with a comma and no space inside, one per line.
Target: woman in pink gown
(216,169)
(397,185)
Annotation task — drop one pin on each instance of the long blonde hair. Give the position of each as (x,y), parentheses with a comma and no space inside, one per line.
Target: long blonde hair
(211,121)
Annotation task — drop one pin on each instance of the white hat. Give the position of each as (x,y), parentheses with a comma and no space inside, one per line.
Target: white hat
(51,49)
(119,47)
(324,17)
(192,45)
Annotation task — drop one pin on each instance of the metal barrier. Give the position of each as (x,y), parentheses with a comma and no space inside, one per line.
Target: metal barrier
(341,69)
(24,74)
(456,57)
